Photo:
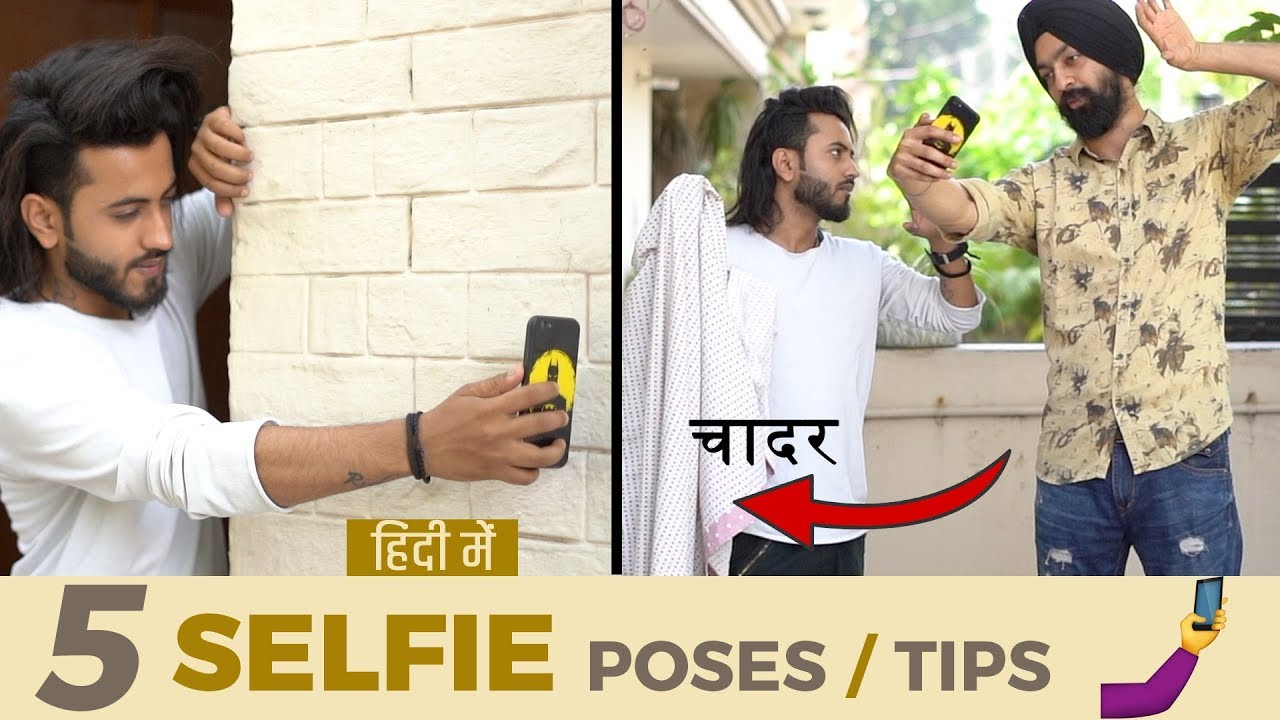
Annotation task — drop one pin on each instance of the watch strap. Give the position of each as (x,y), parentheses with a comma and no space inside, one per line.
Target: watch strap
(954,254)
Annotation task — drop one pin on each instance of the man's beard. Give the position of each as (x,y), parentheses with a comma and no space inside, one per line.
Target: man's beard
(1098,114)
(818,197)
(100,277)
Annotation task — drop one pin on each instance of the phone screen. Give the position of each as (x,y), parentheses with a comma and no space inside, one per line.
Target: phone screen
(1208,601)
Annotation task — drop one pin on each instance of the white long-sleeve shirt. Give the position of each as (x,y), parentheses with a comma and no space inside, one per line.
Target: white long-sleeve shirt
(108,463)
(830,300)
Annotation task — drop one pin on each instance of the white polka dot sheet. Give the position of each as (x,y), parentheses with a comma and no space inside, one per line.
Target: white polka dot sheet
(697,343)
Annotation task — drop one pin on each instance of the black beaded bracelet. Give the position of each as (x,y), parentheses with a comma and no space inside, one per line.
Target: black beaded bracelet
(414,447)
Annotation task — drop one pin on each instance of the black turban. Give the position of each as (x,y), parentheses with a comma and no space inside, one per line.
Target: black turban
(1099,29)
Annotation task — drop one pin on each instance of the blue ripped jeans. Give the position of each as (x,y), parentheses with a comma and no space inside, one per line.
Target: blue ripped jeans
(1181,520)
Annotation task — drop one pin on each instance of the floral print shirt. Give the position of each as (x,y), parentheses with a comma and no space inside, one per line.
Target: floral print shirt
(1131,265)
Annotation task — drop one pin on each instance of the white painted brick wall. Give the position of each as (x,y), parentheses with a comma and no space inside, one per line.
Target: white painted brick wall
(418,315)
(287,162)
(339,316)
(501,304)
(274,25)
(604,143)
(347,149)
(420,153)
(316,390)
(525,62)
(546,230)
(427,176)
(322,237)
(536,147)
(319,83)
(269,314)
(396,17)
(600,330)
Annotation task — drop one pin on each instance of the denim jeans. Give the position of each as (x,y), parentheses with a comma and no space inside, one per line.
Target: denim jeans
(754,555)
(1181,520)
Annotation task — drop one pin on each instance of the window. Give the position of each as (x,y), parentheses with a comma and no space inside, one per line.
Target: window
(1253,261)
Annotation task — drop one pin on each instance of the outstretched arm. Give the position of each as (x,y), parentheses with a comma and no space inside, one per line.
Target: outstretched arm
(1157,694)
(1129,700)
(1166,28)
(925,176)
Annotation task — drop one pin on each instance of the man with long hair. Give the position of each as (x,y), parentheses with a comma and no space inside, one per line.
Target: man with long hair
(108,463)
(1129,224)
(798,170)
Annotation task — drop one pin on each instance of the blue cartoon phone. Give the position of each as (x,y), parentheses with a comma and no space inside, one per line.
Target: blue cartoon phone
(1208,601)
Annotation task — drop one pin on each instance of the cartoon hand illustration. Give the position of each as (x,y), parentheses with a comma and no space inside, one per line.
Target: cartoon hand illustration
(1193,641)
(1158,693)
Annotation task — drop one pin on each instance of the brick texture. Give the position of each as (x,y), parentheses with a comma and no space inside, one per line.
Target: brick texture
(417,195)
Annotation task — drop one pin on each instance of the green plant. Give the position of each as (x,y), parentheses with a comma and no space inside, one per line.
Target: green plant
(674,149)
(720,134)
(789,69)
(1265,28)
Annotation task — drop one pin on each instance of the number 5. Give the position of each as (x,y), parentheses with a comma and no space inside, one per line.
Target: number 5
(118,655)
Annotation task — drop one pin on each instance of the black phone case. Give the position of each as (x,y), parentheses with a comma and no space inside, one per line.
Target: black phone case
(551,353)
(956,116)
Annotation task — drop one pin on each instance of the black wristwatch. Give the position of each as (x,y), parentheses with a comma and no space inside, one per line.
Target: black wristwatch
(956,253)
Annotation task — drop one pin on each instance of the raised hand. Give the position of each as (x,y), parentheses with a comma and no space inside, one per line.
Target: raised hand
(218,156)
(1169,32)
(1193,641)
(915,165)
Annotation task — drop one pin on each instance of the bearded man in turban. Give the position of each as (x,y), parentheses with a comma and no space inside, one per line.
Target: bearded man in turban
(1129,224)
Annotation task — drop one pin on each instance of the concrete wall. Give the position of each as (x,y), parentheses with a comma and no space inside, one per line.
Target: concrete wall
(938,416)
(637,147)
(427,176)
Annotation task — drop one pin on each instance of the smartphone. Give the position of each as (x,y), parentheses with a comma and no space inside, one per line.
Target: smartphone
(1208,601)
(956,116)
(551,353)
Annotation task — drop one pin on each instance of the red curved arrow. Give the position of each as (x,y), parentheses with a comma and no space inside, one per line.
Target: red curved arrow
(791,509)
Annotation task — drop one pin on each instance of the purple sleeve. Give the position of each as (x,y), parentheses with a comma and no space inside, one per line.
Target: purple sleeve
(1127,700)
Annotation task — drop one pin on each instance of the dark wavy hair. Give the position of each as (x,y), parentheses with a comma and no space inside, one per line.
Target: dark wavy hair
(784,123)
(103,93)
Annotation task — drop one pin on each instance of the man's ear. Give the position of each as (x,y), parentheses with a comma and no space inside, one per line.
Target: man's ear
(43,218)
(786,164)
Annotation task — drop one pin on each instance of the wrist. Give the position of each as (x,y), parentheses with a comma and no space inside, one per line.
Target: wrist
(948,254)
(945,242)
(916,190)
(1196,59)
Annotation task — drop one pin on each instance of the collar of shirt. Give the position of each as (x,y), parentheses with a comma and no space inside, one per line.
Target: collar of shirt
(1152,127)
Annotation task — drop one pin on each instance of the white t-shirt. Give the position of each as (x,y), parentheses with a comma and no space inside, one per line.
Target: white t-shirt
(829,302)
(109,465)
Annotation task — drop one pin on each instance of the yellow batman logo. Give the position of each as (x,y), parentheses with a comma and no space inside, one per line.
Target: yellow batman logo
(951,123)
(555,366)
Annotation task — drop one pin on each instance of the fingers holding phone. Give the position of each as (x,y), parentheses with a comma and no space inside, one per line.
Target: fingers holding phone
(551,355)
(478,433)
(917,162)
(926,153)
(957,120)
